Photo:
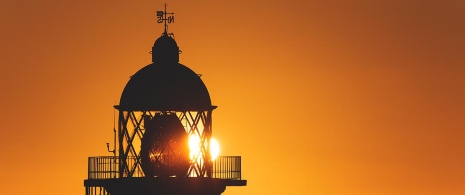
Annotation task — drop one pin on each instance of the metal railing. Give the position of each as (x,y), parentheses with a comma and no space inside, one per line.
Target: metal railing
(227,167)
(107,167)
(103,167)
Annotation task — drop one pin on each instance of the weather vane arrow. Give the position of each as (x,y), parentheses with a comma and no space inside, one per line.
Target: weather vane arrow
(162,17)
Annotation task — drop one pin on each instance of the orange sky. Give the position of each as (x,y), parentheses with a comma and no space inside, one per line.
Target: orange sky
(339,97)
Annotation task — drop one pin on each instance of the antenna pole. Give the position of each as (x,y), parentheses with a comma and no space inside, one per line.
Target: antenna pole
(114,146)
(114,134)
(164,18)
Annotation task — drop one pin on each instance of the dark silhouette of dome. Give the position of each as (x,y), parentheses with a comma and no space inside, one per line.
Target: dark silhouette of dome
(165,49)
(167,87)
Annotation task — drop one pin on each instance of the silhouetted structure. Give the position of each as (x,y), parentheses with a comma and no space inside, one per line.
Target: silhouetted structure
(163,106)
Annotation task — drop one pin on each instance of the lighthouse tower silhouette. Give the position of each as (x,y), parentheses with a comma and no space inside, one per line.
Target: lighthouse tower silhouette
(163,139)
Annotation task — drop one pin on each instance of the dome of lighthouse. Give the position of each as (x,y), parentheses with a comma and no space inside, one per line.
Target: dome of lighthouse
(165,85)
(165,49)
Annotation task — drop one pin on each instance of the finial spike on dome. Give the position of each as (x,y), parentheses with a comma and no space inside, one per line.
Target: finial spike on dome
(163,18)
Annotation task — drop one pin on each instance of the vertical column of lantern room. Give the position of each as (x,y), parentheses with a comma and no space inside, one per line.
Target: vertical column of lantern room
(122,138)
(131,131)
(208,126)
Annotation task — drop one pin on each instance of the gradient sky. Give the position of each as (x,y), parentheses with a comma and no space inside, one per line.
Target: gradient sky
(318,97)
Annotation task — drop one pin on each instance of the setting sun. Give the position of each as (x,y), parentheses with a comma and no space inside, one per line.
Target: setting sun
(214,148)
(194,147)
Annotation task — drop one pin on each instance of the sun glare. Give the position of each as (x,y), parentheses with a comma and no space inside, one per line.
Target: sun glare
(194,147)
(214,148)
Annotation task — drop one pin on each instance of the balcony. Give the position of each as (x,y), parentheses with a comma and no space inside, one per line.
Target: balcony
(107,167)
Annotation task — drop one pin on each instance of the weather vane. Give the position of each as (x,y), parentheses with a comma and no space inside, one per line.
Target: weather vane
(162,17)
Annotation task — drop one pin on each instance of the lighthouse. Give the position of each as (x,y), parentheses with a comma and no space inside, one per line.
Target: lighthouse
(163,140)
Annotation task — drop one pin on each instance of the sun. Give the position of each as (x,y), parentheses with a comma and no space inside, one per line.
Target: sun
(214,148)
(194,147)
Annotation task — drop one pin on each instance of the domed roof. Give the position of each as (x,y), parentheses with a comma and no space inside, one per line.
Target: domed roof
(165,87)
(165,49)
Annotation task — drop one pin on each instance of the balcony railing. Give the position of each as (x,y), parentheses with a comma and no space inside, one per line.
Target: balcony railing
(227,167)
(103,167)
(106,167)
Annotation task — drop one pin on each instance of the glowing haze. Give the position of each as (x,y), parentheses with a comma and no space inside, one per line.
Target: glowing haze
(318,97)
